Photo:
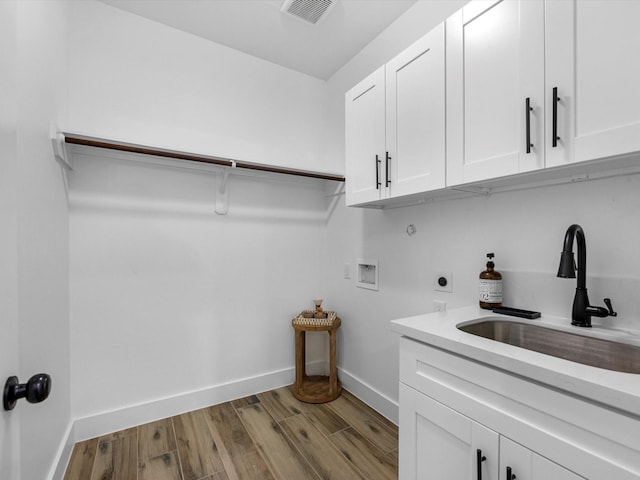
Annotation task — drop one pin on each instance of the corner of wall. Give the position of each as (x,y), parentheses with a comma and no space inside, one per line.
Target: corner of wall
(370,395)
(61,459)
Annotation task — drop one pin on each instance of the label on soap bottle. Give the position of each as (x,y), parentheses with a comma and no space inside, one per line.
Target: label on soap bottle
(490,291)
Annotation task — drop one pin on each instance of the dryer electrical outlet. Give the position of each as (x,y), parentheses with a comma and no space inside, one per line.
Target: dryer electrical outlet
(443,281)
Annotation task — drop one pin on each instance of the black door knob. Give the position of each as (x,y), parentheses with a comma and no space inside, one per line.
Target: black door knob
(35,390)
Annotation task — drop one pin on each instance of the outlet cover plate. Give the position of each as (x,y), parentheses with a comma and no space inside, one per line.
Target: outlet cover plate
(448,282)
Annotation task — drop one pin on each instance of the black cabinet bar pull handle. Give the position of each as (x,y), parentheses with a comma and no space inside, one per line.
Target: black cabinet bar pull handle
(378,173)
(510,476)
(528,109)
(479,459)
(387,169)
(554,132)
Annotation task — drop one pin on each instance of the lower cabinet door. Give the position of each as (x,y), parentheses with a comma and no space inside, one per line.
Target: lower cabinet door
(437,442)
(520,463)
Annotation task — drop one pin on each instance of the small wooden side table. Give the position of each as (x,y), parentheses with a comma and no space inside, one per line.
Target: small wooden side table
(316,388)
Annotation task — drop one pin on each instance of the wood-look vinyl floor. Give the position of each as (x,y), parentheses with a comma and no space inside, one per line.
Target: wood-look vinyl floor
(269,436)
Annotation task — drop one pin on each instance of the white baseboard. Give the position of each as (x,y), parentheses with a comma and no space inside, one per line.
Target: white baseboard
(369,395)
(112,421)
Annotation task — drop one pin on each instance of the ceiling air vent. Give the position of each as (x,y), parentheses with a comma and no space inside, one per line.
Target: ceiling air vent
(311,11)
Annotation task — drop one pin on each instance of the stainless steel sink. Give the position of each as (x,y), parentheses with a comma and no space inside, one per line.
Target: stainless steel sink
(597,352)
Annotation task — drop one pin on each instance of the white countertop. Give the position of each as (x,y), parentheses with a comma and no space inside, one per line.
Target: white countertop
(614,389)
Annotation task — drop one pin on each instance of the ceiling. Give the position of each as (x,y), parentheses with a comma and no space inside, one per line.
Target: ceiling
(259,28)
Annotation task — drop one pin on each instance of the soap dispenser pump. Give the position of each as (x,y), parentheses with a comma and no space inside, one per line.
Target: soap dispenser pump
(490,286)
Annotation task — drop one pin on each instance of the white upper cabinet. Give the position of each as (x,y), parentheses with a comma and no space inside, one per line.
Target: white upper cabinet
(395,129)
(365,139)
(570,60)
(592,51)
(415,116)
(502,87)
(495,69)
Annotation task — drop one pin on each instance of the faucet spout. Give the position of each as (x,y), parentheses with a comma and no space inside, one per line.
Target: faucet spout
(582,311)
(567,263)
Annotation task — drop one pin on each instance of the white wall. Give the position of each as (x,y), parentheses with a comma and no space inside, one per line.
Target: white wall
(169,298)
(526,231)
(139,81)
(43,236)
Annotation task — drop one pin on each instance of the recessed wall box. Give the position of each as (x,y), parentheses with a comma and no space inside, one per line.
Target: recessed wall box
(367,273)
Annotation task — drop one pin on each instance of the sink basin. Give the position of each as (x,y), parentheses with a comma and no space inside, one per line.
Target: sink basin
(596,352)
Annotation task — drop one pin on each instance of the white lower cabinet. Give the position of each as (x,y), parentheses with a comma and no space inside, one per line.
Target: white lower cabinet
(438,442)
(520,463)
(465,420)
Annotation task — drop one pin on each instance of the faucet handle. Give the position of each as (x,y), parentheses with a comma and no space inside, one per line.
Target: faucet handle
(607,302)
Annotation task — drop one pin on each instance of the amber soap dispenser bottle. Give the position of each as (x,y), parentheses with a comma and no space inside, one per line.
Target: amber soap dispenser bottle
(490,286)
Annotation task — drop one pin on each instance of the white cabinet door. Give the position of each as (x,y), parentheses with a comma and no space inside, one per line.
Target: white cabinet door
(365,139)
(415,116)
(395,125)
(438,442)
(9,179)
(559,77)
(545,469)
(591,52)
(495,62)
(523,464)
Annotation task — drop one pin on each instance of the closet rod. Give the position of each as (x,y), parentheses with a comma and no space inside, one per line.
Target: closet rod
(124,147)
